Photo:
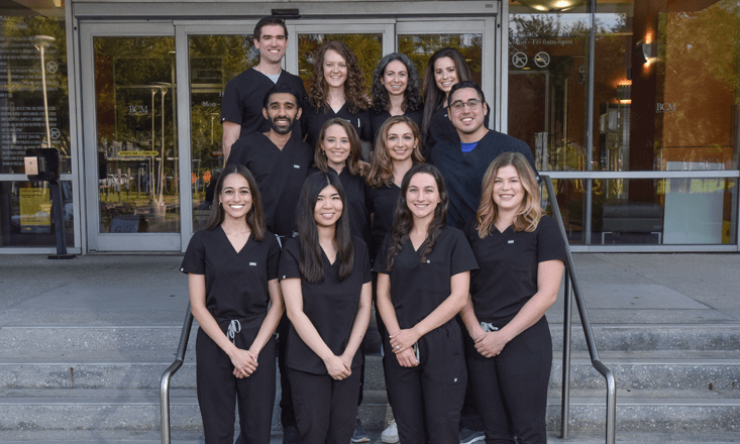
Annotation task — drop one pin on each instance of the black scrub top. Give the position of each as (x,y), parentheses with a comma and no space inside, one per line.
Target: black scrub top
(331,305)
(463,172)
(378,119)
(418,289)
(279,174)
(381,202)
(244,94)
(354,191)
(314,119)
(236,282)
(508,262)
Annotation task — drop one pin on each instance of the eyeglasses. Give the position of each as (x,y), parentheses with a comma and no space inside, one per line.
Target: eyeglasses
(473,104)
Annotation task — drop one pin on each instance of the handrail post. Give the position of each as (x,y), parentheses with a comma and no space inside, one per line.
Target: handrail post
(164,389)
(567,324)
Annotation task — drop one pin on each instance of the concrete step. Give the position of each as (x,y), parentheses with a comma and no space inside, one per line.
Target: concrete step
(687,370)
(19,341)
(138,410)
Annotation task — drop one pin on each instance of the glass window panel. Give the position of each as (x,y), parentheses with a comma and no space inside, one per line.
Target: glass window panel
(548,68)
(137,134)
(419,47)
(26,214)
(34,102)
(214,60)
(571,201)
(681,211)
(367,47)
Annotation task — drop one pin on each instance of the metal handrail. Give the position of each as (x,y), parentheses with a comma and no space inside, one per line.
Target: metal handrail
(164,388)
(573,288)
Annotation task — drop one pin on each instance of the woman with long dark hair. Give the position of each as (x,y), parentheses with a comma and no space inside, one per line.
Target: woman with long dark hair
(521,254)
(396,91)
(232,268)
(326,282)
(423,279)
(445,68)
(337,90)
(339,149)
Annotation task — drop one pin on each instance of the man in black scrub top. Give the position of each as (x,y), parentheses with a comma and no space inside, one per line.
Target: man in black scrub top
(463,163)
(279,161)
(241,109)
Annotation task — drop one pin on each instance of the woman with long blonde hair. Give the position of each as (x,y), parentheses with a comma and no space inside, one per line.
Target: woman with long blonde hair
(521,255)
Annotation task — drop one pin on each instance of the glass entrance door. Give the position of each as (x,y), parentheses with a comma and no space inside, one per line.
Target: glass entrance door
(131,145)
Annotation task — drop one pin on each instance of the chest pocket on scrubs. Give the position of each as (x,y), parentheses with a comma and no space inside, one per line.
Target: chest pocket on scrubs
(436,275)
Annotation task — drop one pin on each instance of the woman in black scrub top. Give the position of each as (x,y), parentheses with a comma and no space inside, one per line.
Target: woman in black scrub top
(423,279)
(232,268)
(337,90)
(521,255)
(395,91)
(445,68)
(397,149)
(339,149)
(325,277)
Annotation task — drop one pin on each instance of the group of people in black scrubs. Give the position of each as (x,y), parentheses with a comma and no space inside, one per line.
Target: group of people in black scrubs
(441,228)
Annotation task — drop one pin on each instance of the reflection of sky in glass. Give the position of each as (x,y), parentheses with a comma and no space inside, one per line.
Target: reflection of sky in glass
(565,25)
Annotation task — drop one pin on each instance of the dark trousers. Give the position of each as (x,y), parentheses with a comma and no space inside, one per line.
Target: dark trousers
(427,399)
(510,389)
(325,409)
(219,389)
(287,415)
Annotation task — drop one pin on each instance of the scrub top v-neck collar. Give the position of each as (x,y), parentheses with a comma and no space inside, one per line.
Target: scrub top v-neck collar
(228,241)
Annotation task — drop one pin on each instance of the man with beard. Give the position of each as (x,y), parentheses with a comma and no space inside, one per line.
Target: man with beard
(241,110)
(279,161)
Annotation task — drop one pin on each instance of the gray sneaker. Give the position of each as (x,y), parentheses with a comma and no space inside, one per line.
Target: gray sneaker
(360,435)
(468,436)
(390,434)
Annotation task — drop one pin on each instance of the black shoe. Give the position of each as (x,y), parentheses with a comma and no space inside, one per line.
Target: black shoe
(290,435)
(360,434)
(468,436)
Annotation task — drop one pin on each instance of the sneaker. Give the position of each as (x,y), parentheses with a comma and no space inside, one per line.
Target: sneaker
(468,436)
(390,434)
(290,435)
(360,434)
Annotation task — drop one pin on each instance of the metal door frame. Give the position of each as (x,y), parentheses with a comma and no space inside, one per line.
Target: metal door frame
(97,241)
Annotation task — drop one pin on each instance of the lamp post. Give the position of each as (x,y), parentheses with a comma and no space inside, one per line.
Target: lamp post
(42,41)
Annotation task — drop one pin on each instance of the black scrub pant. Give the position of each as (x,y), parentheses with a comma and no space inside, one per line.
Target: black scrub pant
(219,389)
(427,399)
(325,409)
(510,389)
(287,415)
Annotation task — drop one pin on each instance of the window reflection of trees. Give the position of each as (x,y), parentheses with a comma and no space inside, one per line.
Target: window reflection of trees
(419,47)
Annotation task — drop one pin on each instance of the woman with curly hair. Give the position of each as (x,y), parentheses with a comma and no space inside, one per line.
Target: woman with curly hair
(395,91)
(337,90)
(423,279)
(521,254)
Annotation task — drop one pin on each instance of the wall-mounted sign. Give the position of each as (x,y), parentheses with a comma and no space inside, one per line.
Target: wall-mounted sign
(138,110)
(665,107)
(35,210)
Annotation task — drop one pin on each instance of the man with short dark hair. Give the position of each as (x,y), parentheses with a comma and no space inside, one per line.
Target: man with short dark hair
(279,161)
(463,163)
(241,109)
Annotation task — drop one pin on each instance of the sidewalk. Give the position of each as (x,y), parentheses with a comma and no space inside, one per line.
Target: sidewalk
(150,290)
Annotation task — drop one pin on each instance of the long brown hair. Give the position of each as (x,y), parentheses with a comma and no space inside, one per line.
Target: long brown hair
(531,212)
(403,219)
(354,86)
(355,148)
(255,216)
(435,97)
(381,165)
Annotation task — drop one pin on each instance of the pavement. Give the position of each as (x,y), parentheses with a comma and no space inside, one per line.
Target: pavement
(150,290)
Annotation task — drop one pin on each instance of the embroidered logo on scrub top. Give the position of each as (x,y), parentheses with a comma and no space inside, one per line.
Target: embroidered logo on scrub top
(428,261)
(253,264)
(511,241)
(297,167)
